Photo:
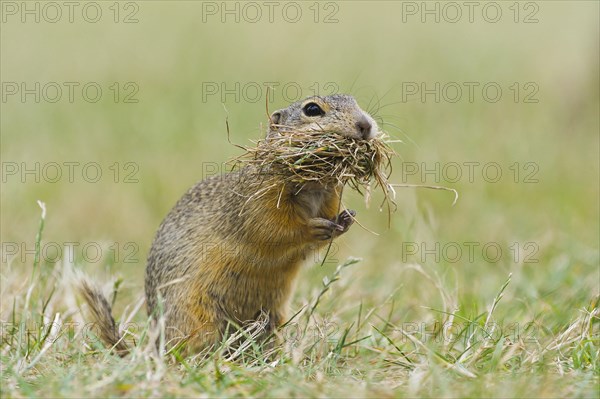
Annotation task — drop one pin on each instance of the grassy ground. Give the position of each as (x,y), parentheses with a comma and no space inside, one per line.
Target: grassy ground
(431,309)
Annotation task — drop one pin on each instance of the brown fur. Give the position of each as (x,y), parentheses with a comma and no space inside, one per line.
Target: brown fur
(102,313)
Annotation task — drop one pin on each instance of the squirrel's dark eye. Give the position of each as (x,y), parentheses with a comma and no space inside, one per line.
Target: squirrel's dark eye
(312,109)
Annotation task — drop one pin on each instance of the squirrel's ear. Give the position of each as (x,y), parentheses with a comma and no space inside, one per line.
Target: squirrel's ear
(277,117)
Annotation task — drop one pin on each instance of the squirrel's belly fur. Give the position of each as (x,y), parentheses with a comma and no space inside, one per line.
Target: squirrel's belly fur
(211,267)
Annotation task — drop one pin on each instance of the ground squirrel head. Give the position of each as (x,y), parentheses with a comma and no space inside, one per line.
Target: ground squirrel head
(338,113)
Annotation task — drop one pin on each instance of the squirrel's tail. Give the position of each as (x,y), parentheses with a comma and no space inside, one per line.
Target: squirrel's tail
(102,313)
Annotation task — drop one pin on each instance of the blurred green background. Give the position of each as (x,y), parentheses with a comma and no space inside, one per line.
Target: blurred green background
(177,52)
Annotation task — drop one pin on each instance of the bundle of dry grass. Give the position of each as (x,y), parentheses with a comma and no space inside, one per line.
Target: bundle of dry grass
(300,157)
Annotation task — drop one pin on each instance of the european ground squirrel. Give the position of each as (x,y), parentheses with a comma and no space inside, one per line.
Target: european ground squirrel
(220,258)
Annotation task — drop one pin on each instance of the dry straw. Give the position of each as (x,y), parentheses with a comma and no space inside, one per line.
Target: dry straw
(300,157)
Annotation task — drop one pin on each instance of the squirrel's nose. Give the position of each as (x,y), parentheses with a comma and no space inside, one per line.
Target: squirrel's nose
(364,127)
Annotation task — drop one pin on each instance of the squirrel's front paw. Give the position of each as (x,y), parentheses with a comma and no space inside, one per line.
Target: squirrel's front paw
(323,229)
(345,219)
